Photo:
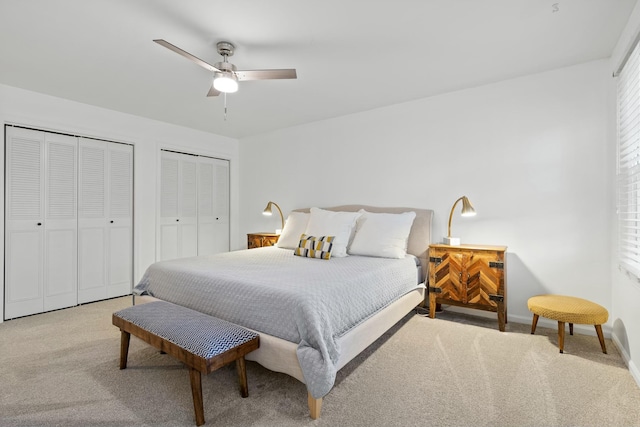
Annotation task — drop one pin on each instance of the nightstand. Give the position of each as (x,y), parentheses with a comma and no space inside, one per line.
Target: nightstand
(471,276)
(258,240)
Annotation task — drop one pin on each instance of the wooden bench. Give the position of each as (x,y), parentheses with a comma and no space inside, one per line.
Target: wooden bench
(203,343)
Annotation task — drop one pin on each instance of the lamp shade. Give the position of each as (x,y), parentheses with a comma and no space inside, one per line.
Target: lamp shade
(225,81)
(467,208)
(269,211)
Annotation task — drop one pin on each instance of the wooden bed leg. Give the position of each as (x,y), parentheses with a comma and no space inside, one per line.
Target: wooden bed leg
(315,406)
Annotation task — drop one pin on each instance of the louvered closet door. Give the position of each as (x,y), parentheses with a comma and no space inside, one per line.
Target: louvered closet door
(178,222)
(41,222)
(24,218)
(169,219)
(213,206)
(92,221)
(120,226)
(61,223)
(188,206)
(105,220)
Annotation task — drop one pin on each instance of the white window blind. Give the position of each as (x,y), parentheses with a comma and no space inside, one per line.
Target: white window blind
(629,164)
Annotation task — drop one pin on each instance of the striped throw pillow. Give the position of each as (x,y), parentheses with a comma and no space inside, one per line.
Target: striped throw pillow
(315,247)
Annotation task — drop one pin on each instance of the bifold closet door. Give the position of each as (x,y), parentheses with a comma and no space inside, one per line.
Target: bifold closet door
(120,226)
(178,224)
(40,222)
(104,219)
(213,206)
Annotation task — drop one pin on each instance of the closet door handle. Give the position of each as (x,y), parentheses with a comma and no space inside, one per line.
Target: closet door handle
(39,224)
(111,221)
(177,220)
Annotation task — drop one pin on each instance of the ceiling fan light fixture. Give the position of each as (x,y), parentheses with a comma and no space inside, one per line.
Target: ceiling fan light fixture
(225,81)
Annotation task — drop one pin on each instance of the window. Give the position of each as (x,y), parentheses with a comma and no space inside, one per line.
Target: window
(628,169)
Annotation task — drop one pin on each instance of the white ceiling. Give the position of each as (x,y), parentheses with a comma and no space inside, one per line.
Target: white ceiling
(350,55)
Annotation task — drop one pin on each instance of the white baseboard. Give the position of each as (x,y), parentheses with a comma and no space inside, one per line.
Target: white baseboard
(542,322)
(635,373)
(633,369)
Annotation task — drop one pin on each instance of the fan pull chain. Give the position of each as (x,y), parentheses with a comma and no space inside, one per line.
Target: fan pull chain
(225,106)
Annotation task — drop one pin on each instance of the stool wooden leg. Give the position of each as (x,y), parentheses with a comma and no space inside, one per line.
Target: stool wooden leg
(570,328)
(601,338)
(196,391)
(534,323)
(561,336)
(125,337)
(242,376)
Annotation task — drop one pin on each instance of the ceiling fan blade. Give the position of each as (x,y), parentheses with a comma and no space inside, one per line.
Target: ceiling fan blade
(266,74)
(213,91)
(186,54)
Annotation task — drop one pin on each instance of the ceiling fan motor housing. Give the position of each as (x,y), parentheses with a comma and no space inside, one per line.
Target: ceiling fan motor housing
(225,48)
(225,66)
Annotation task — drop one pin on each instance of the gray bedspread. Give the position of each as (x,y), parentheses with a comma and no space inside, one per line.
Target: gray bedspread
(307,301)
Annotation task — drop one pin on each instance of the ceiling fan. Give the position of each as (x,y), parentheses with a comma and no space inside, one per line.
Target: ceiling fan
(225,74)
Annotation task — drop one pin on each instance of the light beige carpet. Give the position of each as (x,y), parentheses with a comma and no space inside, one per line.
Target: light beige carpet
(61,369)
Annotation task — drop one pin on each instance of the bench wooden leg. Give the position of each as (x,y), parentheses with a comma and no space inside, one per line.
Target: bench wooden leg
(196,391)
(570,328)
(315,406)
(125,337)
(242,376)
(561,336)
(534,323)
(601,338)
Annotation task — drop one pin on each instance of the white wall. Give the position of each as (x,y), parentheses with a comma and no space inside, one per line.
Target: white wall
(530,153)
(40,111)
(625,316)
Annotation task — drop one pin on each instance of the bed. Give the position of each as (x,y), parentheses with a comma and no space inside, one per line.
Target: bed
(313,315)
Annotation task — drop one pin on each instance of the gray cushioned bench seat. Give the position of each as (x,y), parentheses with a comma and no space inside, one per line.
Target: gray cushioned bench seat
(202,342)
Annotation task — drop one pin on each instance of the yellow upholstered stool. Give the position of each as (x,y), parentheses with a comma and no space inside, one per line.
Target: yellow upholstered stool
(569,310)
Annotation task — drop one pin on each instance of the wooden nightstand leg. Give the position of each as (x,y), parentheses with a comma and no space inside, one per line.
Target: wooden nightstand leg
(501,316)
(432,305)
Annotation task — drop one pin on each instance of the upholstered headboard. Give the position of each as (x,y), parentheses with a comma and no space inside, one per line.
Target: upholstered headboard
(419,237)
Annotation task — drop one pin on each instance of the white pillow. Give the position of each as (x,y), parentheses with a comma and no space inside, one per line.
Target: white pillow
(294,227)
(383,235)
(329,223)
